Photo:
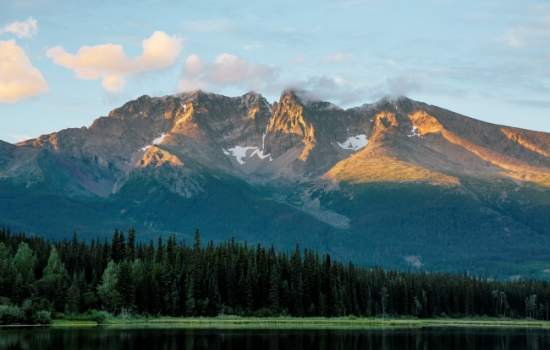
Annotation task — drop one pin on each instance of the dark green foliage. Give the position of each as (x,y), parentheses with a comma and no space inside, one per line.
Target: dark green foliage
(108,288)
(10,314)
(171,278)
(52,285)
(26,314)
(471,228)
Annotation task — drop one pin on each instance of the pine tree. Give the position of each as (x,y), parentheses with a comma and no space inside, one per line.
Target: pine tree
(384,295)
(118,247)
(189,298)
(139,277)
(7,272)
(274,284)
(73,301)
(131,246)
(125,286)
(176,279)
(214,298)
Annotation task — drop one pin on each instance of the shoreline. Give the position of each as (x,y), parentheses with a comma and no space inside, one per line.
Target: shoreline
(288,323)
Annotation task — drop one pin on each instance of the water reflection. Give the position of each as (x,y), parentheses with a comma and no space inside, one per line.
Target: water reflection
(168,339)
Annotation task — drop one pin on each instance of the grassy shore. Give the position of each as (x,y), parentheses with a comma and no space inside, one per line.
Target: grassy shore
(298,323)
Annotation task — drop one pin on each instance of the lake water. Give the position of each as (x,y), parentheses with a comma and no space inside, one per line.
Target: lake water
(168,339)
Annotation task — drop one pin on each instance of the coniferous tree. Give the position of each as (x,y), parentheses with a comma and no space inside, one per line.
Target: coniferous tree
(131,246)
(204,280)
(125,286)
(189,298)
(73,301)
(274,285)
(7,272)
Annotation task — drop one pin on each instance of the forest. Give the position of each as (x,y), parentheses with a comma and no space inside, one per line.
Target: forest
(41,280)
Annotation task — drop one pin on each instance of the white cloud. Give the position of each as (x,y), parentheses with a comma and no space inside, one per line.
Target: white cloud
(18,78)
(193,65)
(401,85)
(110,64)
(226,70)
(336,89)
(21,29)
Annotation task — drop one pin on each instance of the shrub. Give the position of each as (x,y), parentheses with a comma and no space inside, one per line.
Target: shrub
(98,316)
(264,312)
(10,314)
(42,317)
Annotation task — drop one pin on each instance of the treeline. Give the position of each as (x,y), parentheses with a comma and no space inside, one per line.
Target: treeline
(170,277)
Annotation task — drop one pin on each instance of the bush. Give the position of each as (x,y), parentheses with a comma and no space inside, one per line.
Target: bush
(264,312)
(98,316)
(42,317)
(10,314)
(90,315)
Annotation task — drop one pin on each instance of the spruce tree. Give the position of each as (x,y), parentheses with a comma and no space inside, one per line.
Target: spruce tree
(7,272)
(73,301)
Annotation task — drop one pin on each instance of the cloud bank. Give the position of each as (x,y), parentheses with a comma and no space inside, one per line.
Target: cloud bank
(18,78)
(21,29)
(110,64)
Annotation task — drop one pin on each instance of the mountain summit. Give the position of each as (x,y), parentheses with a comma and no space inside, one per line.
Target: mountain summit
(380,183)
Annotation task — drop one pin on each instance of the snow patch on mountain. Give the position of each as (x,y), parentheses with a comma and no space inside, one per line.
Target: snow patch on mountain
(414,261)
(156,141)
(354,143)
(414,132)
(244,153)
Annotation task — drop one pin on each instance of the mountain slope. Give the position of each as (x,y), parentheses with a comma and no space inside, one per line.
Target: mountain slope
(397,182)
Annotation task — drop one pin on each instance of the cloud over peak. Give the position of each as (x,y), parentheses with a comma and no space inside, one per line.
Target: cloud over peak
(110,64)
(225,70)
(21,29)
(18,78)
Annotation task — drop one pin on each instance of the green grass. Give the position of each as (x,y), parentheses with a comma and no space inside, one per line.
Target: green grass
(297,323)
(73,323)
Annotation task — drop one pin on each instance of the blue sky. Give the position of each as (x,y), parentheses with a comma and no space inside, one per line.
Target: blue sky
(486,59)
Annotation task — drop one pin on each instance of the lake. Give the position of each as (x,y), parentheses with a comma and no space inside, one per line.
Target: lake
(172,338)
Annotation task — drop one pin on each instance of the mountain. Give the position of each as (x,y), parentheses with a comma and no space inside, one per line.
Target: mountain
(397,183)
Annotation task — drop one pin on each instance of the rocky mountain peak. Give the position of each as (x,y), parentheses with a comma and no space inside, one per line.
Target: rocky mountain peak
(397,104)
(297,137)
(289,127)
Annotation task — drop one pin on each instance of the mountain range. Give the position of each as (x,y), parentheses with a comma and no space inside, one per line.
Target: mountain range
(397,183)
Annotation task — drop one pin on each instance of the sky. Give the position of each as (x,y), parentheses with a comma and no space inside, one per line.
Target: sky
(65,63)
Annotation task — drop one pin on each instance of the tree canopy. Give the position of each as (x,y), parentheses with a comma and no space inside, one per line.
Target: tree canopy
(175,278)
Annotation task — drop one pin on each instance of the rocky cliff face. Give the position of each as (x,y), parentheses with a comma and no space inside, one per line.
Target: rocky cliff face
(298,165)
